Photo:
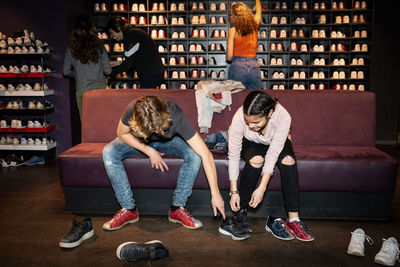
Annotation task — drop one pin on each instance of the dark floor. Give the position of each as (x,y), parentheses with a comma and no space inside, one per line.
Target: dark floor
(32,220)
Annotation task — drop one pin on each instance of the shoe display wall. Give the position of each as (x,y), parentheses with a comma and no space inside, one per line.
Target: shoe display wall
(24,104)
(184,32)
(305,30)
(326,38)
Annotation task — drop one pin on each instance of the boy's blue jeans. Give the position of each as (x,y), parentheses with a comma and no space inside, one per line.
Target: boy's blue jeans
(116,151)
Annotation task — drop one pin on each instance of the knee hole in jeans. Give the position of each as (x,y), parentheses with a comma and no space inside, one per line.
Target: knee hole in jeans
(288,160)
(256,161)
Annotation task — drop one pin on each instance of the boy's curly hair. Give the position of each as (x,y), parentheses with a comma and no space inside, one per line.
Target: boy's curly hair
(244,22)
(150,115)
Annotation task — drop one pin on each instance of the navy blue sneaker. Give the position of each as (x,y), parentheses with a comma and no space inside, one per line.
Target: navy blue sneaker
(278,228)
(35,160)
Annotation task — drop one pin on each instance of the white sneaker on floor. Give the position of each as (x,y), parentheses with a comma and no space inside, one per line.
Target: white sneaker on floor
(389,252)
(356,245)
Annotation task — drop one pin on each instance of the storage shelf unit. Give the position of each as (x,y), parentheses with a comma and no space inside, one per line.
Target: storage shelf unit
(347,20)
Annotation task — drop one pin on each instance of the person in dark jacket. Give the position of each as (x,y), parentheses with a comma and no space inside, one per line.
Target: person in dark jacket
(141,53)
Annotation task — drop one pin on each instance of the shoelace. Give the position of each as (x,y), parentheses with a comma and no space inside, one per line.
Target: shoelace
(389,246)
(367,237)
(118,214)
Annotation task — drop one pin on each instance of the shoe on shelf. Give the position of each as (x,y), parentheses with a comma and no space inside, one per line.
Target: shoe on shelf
(80,231)
(278,228)
(389,252)
(35,160)
(231,228)
(184,217)
(356,245)
(300,230)
(133,251)
(120,219)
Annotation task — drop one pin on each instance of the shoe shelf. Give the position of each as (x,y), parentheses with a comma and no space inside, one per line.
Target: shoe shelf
(27,93)
(354,17)
(29,147)
(26,111)
(167,41)
(47,129)
(25,56)
(26,75)
(28,84)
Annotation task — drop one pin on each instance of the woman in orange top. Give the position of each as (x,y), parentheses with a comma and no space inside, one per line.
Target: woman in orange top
(242,45)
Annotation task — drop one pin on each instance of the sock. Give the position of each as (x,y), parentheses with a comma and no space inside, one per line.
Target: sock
(133,209)
(297,219)
(174,208)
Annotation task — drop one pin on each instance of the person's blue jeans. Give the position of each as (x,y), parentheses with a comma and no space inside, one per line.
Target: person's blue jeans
(247,71)
(116,151)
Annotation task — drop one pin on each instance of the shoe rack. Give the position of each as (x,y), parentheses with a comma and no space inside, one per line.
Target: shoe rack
(314,44)
(210,46)
(23,101)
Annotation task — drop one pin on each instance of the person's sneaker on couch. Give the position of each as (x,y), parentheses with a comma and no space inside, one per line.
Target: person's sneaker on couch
(121,218)
(183,216)
(300,230)
(80,231)
(278,228)
(133,251)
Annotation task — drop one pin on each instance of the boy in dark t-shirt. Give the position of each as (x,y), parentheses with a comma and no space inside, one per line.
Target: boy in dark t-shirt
(153,126)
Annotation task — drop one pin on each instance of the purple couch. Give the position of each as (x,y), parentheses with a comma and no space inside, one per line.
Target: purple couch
(341,173)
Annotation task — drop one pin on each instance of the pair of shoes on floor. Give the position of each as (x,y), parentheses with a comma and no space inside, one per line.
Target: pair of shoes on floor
(126,216)
(134,251)
(388,254)
(288,230)
(80,231)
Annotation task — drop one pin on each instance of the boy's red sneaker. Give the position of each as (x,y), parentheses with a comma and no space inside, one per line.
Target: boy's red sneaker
(184,217)
(122,217)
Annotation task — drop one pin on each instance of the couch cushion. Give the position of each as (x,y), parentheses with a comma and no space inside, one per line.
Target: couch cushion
(321,168)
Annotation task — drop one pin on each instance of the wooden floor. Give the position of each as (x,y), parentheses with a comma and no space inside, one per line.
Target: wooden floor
(33,220)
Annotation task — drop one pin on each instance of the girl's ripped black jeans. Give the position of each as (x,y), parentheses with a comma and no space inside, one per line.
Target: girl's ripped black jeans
(250,175)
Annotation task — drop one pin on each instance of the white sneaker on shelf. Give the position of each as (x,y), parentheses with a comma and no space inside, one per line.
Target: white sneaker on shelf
(356,245)
(389,252)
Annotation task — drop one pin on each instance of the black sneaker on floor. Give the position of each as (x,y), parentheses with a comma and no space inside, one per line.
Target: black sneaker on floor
(133,251)
(229,227)
(80,231)
(241,220)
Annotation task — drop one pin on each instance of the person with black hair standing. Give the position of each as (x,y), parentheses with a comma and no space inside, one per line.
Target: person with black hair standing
(259,134)
(141,53)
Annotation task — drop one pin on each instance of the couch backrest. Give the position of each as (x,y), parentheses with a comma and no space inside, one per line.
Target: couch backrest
(337,118)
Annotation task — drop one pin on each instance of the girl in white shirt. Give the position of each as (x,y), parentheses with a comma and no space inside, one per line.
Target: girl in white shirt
(259,134)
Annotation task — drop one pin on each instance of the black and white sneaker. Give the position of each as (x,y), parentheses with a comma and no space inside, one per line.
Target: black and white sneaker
(133,251)
(80,231)
(241,220)
(231,228)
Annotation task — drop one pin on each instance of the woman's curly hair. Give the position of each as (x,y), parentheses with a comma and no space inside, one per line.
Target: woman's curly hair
(150,115)
(84,42)
(244,21)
